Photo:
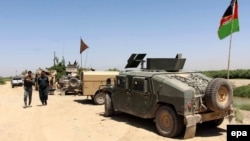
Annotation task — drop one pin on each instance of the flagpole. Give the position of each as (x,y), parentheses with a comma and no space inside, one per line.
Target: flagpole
(86,58)
(230,43)
(229,55)
(81,61)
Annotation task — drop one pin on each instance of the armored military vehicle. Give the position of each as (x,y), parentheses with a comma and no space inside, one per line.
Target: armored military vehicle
(89,83)
(176,100)
(70,83)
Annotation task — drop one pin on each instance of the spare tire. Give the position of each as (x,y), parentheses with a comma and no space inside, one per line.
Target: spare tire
(218,95)
(73,83)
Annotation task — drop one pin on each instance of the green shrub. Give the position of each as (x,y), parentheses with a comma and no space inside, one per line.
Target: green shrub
(2,81)
(245,107)
(242,106)
(233,74)
(239,117)
(242,91)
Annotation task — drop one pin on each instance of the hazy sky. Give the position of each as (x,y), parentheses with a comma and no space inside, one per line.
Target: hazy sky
(32,30)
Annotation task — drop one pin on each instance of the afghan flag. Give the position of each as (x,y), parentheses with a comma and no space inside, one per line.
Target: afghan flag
(83,46)
(229,22)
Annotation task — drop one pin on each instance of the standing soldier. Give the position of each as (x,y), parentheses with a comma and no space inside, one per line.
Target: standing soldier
(28,82)
(43,83)
(51,82)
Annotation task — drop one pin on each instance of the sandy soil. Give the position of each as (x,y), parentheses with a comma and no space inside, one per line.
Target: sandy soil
(239,82)
(75,118)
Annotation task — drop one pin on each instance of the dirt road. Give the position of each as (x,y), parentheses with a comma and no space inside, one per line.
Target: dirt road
(74,118)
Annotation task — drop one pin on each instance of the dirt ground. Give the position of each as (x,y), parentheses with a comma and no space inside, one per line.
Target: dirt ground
(76,118)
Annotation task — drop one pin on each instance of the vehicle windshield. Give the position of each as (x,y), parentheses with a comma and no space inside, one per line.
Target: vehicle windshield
(17,78)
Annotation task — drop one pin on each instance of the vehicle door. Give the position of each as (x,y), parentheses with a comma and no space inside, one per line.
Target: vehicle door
(140,96)
(122,94)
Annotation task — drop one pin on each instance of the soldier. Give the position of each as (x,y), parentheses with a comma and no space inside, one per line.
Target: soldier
(28,82)
(43,83)
(51,82)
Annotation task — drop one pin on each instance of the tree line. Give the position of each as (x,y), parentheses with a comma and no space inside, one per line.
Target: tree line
(233,74)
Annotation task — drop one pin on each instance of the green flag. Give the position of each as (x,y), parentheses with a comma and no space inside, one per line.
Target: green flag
(229,22)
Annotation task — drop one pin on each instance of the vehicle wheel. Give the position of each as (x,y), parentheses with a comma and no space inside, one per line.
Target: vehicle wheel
(168,123)
(214,123)
(99,98)
(109,110)
(218,95)
(73,82)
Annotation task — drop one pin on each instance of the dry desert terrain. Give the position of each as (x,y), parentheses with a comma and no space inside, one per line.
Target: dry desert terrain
(76,118)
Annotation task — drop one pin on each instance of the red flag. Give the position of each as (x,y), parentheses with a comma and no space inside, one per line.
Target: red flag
(83,46)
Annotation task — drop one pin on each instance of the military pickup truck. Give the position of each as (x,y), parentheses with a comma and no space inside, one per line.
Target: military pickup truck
(93,81)
(176,100)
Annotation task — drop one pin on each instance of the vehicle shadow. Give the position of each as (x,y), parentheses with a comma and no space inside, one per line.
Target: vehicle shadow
(71,94)
(204,131)
(149,125)
(61,93)
(85,101)
(146,124)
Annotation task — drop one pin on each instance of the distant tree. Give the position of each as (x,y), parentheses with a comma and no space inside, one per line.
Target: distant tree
(24,72)
(114,69)
(2,81)
(56,60)
(59,67)
(63,61)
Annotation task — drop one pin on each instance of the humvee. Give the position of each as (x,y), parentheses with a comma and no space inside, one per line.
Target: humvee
(70,83)
(176,100)
(88,83)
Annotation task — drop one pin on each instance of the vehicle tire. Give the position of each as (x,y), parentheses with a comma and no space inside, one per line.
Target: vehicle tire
(168,123)
(73,83)
(99,98)
(218,95)
(108,107)
(214,123)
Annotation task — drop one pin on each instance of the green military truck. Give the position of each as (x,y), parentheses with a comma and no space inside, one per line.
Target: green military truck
(176,100)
